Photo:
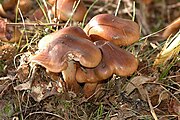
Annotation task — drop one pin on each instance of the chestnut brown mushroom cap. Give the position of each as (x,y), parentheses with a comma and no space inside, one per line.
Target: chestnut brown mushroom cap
(24,5)
(72,30)
(65,48)
(172,28)
(65,10)
(121,32)
(114,61)
(9,4)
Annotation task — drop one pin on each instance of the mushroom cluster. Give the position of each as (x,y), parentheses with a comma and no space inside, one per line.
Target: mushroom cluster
(90,55)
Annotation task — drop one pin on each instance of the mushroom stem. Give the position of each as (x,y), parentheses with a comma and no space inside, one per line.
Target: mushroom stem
(69,77)
(92,90)
(89,89)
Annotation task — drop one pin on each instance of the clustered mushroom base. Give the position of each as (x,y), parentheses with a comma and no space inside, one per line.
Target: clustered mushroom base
(80,60)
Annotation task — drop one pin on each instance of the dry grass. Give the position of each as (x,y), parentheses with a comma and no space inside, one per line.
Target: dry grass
(157,98)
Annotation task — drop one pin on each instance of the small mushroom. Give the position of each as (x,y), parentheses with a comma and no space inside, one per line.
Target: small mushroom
(25,6)
(61,54)
(172,28)
(64,10)
(121,32)
(114,61)
(9,6)
(8,33)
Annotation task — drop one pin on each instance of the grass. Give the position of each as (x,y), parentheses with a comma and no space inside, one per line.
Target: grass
(111,103)
(86,14)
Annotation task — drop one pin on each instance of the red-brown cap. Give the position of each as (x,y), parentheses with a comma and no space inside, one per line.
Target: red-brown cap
(9,4)
(114,61)
(24,5)
(121,32)
(64,48)
(72,30)
(64,10)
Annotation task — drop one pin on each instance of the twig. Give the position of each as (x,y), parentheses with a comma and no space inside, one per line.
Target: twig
(4,89)
(33,24)
(44,112)
(173,5)
(170,94)
(154,33)
(6,78)
(151,107)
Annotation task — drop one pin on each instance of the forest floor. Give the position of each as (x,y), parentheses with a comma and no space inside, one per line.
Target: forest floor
(152,92)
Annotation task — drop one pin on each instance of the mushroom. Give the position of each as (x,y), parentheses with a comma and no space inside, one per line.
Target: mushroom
(10,5)
(64,10)
(92,89)
(121,32)
(72,30)
(25,6)
(114,61)
(8,33)
(61,54)
(172,28)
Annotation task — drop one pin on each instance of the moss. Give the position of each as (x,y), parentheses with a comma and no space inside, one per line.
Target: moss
(7,110)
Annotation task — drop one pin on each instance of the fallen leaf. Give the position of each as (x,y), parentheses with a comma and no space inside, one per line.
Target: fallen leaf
(23,70)
(24,86)
(7,52)
(137,83)
(174,106)
(42,90)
